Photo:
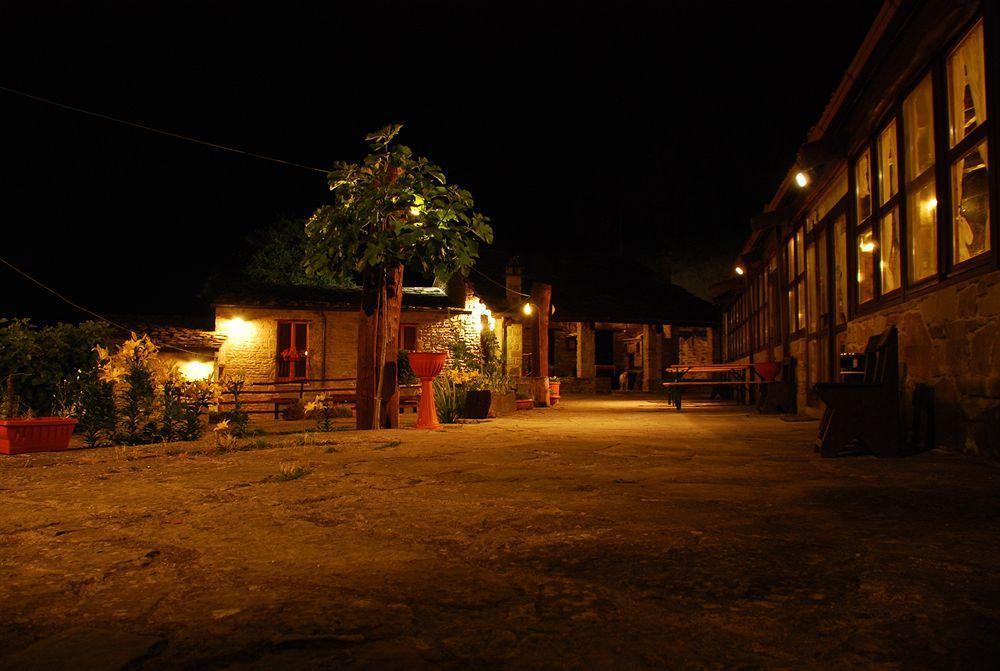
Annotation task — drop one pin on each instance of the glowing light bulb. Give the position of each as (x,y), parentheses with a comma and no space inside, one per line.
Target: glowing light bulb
(801,179)
(930,205)
(526,309)
(739,270)
(868,247)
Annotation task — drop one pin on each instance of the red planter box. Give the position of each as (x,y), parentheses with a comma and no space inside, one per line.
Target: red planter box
(525,404)
(41,434)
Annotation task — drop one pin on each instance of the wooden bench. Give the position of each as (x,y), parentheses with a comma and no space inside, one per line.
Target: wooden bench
(676,385)
(865,415)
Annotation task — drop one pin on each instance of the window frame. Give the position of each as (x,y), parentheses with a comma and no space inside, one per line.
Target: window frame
(416,336)
(952,154)
(293,325)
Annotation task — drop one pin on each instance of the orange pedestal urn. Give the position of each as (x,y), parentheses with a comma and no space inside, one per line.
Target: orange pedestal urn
(427,366)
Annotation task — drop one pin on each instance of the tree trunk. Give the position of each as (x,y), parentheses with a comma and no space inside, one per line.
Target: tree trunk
(381,298)
(368,315)
(390,385)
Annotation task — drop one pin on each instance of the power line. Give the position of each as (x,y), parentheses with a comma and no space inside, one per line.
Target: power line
(80,307)
(160,131)
(502,286)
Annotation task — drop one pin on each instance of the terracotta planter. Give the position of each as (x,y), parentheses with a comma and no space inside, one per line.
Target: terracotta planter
(427,366)
(41,434)
(525,404)
(767,370)
(554,391)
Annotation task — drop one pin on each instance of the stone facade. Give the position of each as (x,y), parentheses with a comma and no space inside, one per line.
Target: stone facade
(949,339)
(251,345)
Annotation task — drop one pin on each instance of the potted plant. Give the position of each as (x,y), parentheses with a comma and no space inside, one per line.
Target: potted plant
(524,401)
(20,432)
(553,390)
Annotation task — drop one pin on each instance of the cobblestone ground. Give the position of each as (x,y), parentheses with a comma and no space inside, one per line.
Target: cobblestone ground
(605,533)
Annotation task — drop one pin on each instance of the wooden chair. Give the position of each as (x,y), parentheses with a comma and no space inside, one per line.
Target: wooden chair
(865,415)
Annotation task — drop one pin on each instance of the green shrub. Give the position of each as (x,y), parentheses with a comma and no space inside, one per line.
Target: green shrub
(449,399)
(96,411)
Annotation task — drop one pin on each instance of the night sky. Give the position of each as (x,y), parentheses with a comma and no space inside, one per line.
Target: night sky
(628,128)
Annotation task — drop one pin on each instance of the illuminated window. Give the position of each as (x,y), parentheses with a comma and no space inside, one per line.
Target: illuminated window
(966,86)
(840,267)
(921,194)
(293,350)
(866,266)
(970,197)
(408,337)
(889,251)
(863,186)
(888,180)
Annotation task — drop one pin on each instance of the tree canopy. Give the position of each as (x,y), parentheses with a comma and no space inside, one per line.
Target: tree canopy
(393,208)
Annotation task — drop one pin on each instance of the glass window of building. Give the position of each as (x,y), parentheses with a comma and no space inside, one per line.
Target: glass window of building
(840,267)
(966,86)
(921,194)
(863,186)
(970,197)
(889,252)
(888,180)
(866,266)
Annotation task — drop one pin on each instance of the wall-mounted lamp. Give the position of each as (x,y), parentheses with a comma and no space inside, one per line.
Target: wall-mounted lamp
(526,309)
(739,270)
(801,179)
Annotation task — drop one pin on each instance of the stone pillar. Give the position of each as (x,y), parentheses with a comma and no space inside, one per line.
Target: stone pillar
(585,367)
(652,358)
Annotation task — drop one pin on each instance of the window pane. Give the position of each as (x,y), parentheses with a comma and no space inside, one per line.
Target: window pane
(811,283)
(970,204)
(793,320)
(863,186)
(866,266)
(918,128)
(888,180)
(889,248)
(800,261)
(840,267)
(790,259)
(921,229)
(822,294)
(966,86)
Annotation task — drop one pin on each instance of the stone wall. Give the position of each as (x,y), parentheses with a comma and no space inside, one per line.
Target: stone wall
(694,345)
(251,343)
(949,339)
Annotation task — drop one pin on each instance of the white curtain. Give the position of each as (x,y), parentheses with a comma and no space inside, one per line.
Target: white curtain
(967,70)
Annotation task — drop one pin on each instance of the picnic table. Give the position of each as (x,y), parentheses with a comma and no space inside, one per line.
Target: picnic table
(734,374)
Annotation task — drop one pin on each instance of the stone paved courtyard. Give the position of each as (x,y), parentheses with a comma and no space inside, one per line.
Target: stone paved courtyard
(606,533)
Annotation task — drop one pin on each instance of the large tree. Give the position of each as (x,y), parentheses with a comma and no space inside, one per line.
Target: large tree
(390,211)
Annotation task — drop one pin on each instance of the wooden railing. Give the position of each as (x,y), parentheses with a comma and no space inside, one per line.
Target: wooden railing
(274,395)
(277,393)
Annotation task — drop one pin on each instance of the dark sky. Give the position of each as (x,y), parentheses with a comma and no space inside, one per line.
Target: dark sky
(637,127)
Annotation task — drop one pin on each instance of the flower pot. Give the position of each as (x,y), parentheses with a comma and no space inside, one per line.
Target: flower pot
(525,403)
(767,370)
(41,434)
(426,366)
(477,403)
(553,392)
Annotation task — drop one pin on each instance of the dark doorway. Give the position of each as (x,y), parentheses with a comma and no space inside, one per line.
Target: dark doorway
(604,355)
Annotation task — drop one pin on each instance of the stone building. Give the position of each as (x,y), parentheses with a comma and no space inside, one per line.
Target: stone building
(613,325)
(885,219)
(292,333)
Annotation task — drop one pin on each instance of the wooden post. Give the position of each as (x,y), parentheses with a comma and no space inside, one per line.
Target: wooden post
(371,287)
(541,300)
